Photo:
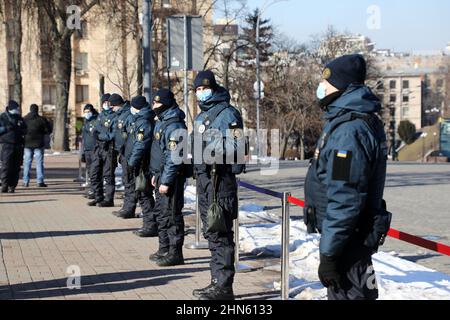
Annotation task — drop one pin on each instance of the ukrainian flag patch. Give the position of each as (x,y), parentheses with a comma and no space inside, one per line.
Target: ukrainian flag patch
(342,154)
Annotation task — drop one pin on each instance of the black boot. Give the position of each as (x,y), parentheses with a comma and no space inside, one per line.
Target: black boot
(172,259)
(198,292)
(12,190)
(4,189)
(158,255)
(106,204)
(146,233)
(218,293)
(92,203)
(124,214)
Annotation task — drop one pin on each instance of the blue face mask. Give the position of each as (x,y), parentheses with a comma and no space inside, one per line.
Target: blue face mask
(321,91)
(106,107)
(134,111)
(204,95)
(88,116)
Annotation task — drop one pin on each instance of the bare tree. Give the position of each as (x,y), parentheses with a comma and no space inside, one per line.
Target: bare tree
(11,11)
(61,33)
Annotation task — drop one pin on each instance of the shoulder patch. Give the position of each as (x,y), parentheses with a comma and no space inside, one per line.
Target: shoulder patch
(342,164)
(172,145)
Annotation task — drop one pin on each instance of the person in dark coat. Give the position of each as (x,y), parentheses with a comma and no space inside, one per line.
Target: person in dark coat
(37,128)
(89,143)
(12,138)
(345,182)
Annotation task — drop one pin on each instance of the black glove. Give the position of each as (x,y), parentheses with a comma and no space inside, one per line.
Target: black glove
(328,272)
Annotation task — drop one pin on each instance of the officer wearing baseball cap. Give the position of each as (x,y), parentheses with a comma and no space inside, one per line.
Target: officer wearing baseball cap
(345,181)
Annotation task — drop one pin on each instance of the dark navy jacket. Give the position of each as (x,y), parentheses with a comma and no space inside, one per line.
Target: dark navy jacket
(119,126)
(140,132)
(12,129)
(89,134)
(351,167)
(162,163)
(229,122)
(104,126)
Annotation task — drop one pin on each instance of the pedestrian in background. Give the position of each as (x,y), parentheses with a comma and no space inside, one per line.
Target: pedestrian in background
(37,128)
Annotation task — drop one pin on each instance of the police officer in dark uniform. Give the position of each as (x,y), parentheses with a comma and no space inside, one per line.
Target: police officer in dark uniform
(345,182)
(89,142)
(218,115)
(121,109)
(12,139)
(140,130)
(105,159)
(168,178)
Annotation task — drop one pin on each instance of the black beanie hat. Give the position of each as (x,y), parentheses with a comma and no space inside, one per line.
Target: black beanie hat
(89,107)
(165,97)
(205,78)
(116,100)
(105,97)
(346,70)
(12,105)
(34,108)
(139,102)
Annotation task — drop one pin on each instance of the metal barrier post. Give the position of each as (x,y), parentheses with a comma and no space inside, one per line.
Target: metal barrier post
(197,245)
(239,268)
(285,247)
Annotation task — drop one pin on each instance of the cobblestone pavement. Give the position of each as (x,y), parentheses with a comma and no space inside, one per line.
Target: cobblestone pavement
(49,235)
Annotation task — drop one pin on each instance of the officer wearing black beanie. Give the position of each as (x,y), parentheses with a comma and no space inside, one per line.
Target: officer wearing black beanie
(137,158)
(345,182)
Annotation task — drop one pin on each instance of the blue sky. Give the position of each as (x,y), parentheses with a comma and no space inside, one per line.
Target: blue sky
(405,25)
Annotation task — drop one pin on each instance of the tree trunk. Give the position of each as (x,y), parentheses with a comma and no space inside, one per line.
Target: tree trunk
(16,24)
(286,138)
(62,74)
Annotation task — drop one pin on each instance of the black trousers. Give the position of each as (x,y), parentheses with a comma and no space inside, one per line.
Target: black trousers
(130,196)
(357,274)
(103,167)
(169,216)
(89,159)
(11,157)
(221,245)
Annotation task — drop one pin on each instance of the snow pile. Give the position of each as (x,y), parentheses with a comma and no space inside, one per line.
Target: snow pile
(253,213)
(397,279)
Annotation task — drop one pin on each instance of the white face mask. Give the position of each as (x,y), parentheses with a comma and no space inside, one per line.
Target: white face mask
(134,111)
(15,111)
(88,115)
(106,107)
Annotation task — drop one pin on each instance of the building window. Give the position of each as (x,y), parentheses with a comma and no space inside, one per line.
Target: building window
(49,94)
(82,33)
(10,61)
(81,63)
(405,84)
(393,98)
(393,84)
(405,98)
(82,94)
(405,112)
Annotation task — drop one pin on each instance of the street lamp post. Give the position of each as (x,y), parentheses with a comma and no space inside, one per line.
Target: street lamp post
(147,44)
